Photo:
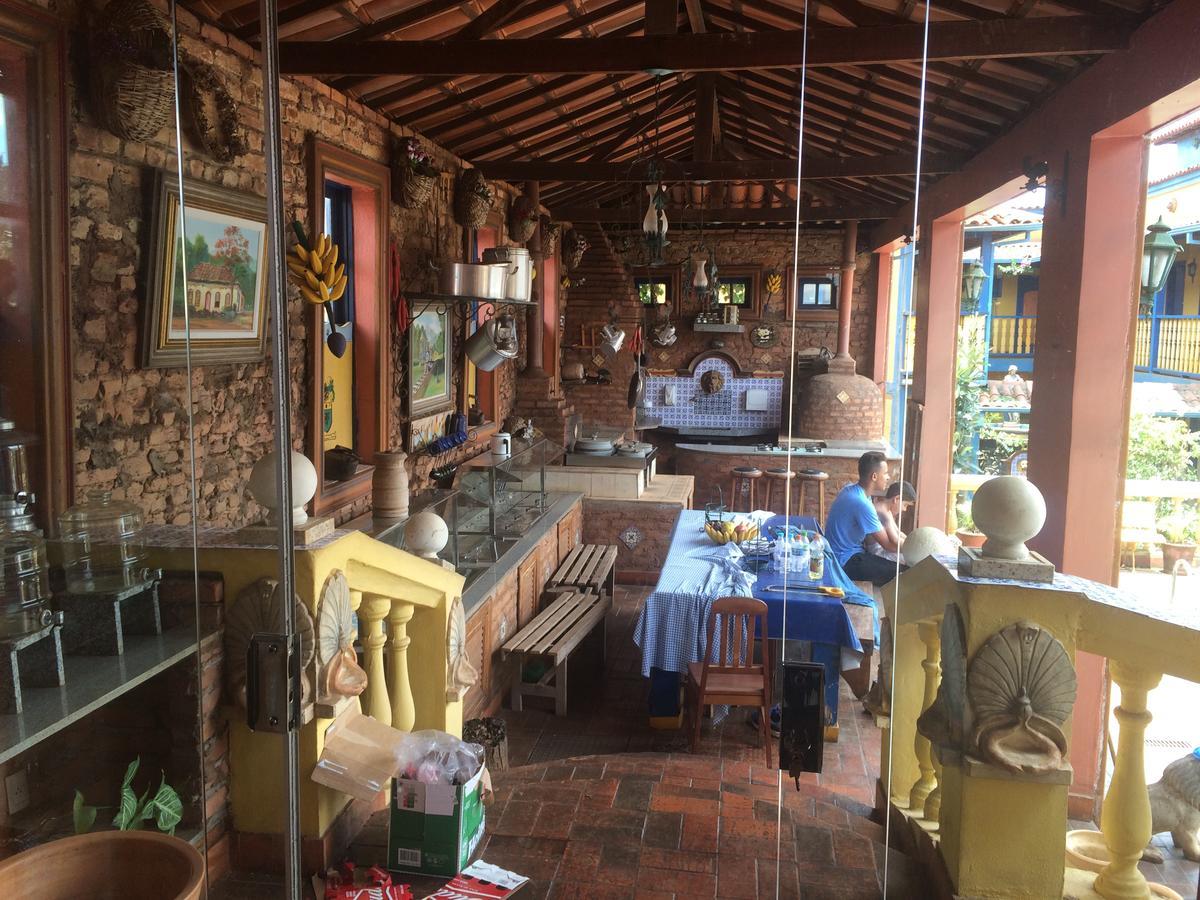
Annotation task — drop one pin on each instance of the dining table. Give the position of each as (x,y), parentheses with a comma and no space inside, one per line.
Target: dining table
(672,629)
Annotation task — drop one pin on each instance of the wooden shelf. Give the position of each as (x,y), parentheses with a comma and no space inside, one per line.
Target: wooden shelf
(720,327)
(92,681)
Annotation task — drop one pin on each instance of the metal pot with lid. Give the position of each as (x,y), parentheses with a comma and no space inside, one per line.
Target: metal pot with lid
(493,342)
(519,280)
(481,282)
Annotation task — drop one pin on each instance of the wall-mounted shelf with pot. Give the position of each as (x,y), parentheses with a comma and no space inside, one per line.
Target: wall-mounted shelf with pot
(719,327)
(422,302)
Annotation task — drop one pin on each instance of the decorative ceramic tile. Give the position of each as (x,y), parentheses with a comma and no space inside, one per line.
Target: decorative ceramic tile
(631,537)
(728,411)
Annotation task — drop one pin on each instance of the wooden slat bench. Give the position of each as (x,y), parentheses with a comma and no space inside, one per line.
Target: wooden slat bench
(588,569)
(555,633)
(863,620)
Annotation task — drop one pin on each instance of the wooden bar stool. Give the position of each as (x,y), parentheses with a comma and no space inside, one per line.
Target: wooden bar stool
(742,479)
(783,480)
(815,479)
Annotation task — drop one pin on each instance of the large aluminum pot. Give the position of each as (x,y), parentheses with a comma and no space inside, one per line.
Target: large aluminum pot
(520,271)
(493,343)
(481,282)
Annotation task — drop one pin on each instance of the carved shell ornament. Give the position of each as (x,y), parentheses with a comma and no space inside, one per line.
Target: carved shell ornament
(460,674)
(1021,685)
(258,608)
(338,671)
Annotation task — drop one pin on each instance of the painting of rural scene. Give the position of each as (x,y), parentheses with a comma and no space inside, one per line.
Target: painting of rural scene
(223,258)
(428,379)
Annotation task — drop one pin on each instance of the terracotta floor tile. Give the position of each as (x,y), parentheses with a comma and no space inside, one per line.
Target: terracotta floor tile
(663,829)
(683,860)
(700,833)
(686,884)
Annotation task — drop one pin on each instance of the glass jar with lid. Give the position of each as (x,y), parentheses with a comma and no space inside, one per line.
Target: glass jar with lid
(102,544)
(24,582)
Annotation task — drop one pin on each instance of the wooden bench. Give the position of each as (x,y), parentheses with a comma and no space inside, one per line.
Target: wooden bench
(862,618)
(588,569)
(555,633)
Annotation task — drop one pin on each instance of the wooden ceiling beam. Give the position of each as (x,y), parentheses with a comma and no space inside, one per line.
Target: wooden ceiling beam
(695,14)
(706,117)
(704,52)
(777,169)
(683,215)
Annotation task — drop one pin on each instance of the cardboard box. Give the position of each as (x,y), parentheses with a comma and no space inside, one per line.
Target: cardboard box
(434,828)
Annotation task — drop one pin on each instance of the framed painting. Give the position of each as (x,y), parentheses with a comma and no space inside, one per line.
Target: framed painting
(430,350)
(207,275)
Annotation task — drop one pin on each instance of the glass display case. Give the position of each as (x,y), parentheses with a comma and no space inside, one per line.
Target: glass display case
(511,492)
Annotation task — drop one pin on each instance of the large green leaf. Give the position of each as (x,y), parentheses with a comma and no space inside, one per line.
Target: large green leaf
(84,816)
(130,772)
(127,812)
(166,808)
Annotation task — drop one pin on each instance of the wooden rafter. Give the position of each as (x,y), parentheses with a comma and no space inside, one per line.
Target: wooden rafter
(677,215)
(705,52)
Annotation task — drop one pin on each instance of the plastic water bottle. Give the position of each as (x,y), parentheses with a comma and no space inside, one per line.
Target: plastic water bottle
(800,555)
(816,558)
(779,555)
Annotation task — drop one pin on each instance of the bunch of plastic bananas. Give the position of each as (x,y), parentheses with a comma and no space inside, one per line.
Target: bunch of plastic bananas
(322,278)
(774,283)
(724,532)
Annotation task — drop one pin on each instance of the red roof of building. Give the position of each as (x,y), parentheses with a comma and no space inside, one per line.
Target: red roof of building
(212,273)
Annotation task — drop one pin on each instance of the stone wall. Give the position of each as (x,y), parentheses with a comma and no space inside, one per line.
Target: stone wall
(604,277)
(131,423)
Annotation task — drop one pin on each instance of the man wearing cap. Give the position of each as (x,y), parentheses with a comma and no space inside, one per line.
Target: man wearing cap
(853,518)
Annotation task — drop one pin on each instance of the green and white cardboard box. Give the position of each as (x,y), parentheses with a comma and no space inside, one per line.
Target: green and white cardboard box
(434,828)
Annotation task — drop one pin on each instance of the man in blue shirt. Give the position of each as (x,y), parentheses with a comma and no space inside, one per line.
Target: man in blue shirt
(852,518)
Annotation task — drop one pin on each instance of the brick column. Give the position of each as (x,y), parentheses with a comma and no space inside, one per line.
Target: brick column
(935,304)
(880,322)
(1082,372)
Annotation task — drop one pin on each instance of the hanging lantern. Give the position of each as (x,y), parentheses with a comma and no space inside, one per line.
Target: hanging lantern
(974,276)
(1158,252)
(654,223)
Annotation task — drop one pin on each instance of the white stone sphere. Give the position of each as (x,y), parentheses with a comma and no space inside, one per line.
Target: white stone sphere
(924,542)
(1009,510)
(425,534)
(304,485)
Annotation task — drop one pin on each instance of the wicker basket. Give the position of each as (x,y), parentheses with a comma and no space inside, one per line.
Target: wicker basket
(473,199)
(522,219)
(551,232)
(132,83)
(574,246)
(411,189)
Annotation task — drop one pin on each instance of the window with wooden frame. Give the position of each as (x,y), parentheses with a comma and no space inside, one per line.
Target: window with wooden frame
(738,286)
(657,286)
(351,398)
(35,356)
(814,291)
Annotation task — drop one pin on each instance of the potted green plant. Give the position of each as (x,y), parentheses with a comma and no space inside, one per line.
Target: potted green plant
(1179,529)
(966,533)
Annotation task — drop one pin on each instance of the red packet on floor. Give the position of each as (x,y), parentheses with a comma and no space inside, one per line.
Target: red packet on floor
(480,881)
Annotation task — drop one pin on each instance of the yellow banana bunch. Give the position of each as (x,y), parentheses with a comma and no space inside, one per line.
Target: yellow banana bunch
(774,283)
(322,278)
(724,532)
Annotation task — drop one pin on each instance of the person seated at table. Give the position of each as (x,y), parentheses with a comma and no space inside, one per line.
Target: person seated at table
(890,507)
(852,518)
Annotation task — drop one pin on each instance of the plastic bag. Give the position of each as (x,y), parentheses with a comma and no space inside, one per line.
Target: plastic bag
(435,757)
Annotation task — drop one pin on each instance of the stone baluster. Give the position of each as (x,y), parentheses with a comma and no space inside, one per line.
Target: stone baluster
(932,666)
(371,613)
(404,712)
(1125,819)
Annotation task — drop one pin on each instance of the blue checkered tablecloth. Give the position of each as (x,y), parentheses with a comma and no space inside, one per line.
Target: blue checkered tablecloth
(671,629)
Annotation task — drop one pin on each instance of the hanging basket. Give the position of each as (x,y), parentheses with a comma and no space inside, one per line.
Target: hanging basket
(473,199)
(411,189)
(132,81)
(574,246)
(213,113)
(551,232)
(522,219)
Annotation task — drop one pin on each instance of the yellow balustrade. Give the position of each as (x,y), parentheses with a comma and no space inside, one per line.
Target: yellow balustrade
(371,613)
(1141,343)
(1179,345)
(931,667)
(1002,834)
(403,712)
(1125,818)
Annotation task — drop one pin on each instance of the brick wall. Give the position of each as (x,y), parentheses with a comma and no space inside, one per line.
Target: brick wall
(604,277)
(131,423)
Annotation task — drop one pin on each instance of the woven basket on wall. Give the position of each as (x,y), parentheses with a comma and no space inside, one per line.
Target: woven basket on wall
(551,231)
(522,219)
(473,199)
(574,246)
(411,189)
(132,82)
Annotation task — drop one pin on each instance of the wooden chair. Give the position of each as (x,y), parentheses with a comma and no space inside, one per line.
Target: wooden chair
(735,680)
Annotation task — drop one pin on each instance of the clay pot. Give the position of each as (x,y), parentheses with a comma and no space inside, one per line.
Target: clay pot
(1173,553)
(389,485)
(972,539)
(756,192)
(132,865)
(736,193)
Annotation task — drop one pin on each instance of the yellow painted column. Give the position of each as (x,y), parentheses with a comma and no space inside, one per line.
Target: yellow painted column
(371,613)
(404,712)
(1125,819)
(933,803)
(932,667)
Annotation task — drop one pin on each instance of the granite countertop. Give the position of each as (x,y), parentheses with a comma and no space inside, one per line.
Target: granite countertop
(834,449)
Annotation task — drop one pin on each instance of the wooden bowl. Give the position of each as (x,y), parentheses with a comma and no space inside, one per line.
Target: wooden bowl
(107,865)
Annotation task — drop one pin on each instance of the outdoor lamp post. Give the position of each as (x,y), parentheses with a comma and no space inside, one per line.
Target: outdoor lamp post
(974,275)
(1158,252)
